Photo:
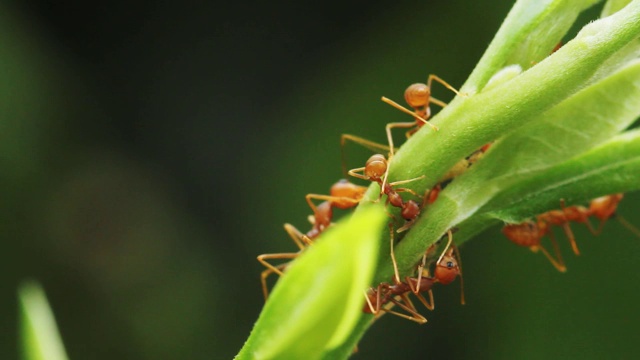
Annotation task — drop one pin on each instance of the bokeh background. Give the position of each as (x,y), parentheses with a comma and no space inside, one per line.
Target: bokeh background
(150,150)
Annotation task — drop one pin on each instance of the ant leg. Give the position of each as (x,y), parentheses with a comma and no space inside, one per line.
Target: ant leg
(415,316)
(402,125)
(408,112)
(568,232)
(374,146)
(450,235)
(409,191)
(406,226)
(437,102)
(272,269)
(628,225)
(393,256)
(420,270)
(600,227)
(590,227)
(263,279)
(371,145)
(400,182)
(264,257)
(444,83)
(559,263)
(374,310)
(572,240)
(299,238)
(429,304)
(356,173)
(457,252)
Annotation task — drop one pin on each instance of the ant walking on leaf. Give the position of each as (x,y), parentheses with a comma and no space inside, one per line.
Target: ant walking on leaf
(530,233)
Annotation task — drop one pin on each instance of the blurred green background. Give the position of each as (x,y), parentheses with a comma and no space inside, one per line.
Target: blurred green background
(149,151)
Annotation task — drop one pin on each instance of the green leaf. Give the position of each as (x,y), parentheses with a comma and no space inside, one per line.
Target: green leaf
(581,122)
(486,113)
(612,167)
(40,337)
(468,123)
(516,102)
(613,6)
(528,34)
(317,302)
(548,119)
(609,168)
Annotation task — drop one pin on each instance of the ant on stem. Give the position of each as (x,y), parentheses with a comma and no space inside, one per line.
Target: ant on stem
(447,269)
(418,96)
(375,170)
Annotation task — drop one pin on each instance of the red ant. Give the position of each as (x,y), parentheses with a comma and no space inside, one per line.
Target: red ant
(530,233)
(418,96)
(374,170)
(344,195)
(447,269)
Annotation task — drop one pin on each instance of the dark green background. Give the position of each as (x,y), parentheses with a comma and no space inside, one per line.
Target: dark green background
(150,151)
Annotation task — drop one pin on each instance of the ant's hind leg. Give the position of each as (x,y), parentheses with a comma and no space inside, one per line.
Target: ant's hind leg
(429,304)
(415,316)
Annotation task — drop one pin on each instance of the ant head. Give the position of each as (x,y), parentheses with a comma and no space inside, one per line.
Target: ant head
(417,95)
(447,269)
(375,167)
(527,233)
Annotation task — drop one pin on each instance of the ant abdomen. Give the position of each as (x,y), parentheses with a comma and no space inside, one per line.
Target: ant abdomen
(346,194)
(410,210)
(525,234)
